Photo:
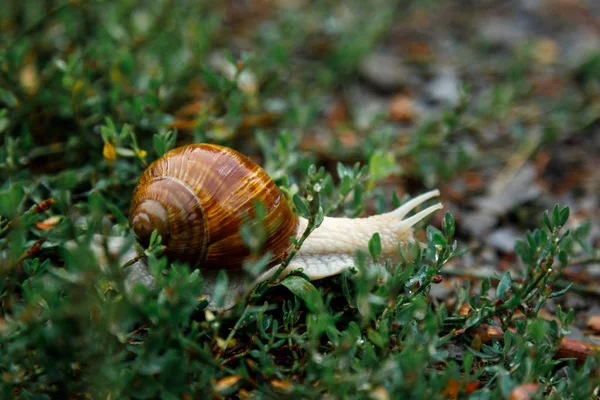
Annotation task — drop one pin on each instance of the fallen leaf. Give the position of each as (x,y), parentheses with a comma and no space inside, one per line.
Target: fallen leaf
(420,51)
(465,309)
(380,393)
(48,223)
(190,110)
(524,392)
(337,114)
(263,120)
(471,387)
(227,382)
(594,322)
(282,385)
(29,77)
(402,109)
(451,389)
(183,124)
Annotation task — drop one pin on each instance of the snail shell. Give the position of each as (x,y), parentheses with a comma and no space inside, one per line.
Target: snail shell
(198,196)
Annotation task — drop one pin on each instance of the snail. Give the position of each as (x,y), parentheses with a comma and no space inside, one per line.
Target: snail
(198,196)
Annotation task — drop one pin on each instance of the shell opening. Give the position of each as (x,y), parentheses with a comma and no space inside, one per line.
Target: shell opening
(148,216)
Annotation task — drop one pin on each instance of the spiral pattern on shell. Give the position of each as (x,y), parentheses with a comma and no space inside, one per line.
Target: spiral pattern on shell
(198,197)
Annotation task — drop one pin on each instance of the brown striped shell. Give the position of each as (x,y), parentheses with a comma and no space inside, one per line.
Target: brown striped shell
(198,197)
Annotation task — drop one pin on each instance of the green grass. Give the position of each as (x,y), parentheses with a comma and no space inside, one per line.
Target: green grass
(91,92)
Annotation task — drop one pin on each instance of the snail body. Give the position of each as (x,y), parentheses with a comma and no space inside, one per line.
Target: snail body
(198,196)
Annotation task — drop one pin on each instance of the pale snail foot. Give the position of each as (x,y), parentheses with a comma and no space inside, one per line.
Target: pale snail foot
(315,266)
(122,249)
(139,274)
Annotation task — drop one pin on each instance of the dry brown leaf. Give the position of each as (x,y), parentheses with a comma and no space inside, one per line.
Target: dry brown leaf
(190,110)
(29,77)
(183,124)
(465,309)
(380,393)
(402,109)
(245,395)
(524,392)
(48,223)
(337,114)
(282,385)
(594,322)
(451,389)
(227,382)
(266,119)
(420,51)
(471,387)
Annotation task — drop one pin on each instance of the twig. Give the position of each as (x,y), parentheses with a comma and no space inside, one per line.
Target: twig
(587,259)
(36,209)
(133,261)
(30,252)
(232,333)
(309,228)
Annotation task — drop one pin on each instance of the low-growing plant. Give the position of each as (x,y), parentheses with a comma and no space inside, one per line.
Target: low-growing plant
(92,92)
(69,329)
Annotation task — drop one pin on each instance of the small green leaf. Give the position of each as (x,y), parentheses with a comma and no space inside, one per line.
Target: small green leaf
(304,290)
(546,220)
(153,237)
(570,317)
(8,98)
(507,385)
(564,216)
(503,286)
(537,330)
(556,216)
(212,79)
(436,236)
(560,314)
(486,284)
(10,200)
(346,185)
(448,225)
(301,206)
(341,170)
(563,257)
(319,217)
(375,246)
(158,144)
(561,292)
(376,339)
(116,212)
